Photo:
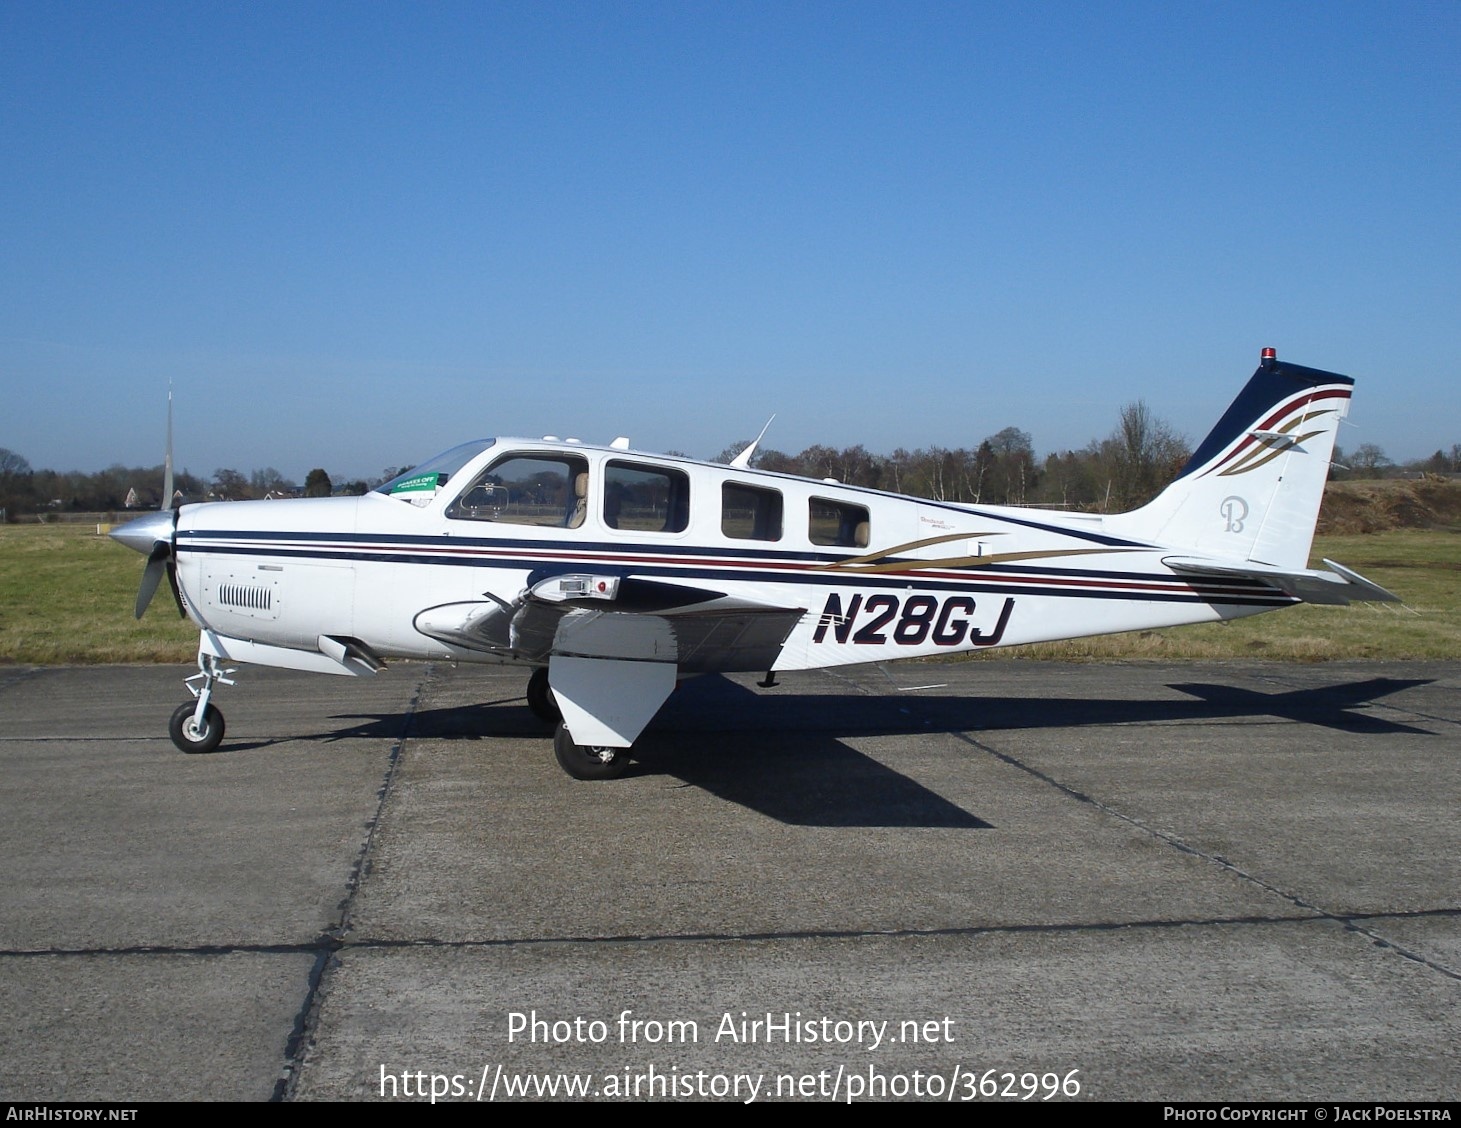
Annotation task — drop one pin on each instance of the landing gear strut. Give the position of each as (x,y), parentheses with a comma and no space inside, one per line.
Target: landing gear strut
(197,726)
(585,761)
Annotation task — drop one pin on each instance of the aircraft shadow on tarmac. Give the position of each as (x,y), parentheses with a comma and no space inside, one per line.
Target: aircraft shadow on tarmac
(817,781)
(713,735)
(716,704)
(783,755)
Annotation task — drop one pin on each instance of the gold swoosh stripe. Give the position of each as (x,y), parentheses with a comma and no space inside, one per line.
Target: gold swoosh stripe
(975,561)
(1248,464)
(1304,418)
(909,547)
(1264,447)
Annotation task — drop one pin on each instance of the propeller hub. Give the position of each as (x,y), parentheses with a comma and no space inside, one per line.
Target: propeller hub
(140,535)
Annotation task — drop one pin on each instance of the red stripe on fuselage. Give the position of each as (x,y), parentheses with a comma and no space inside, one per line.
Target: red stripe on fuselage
(849,578)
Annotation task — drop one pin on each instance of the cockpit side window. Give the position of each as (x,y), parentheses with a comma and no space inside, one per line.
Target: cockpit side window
(527,489)
(646,499)
(749,512)
(838,523)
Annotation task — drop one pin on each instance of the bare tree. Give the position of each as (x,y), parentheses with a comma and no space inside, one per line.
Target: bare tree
(16,486)
(1013,470)
(268,480)
(1143,454)
(230,485)
(1369,461)
(12,464)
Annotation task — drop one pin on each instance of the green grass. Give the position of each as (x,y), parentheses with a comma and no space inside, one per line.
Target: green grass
(66,596)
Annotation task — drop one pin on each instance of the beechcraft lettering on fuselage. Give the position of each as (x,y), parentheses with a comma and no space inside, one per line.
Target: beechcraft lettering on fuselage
(611,573)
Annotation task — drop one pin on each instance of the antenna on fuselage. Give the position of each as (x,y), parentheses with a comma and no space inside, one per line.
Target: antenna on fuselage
(742,461)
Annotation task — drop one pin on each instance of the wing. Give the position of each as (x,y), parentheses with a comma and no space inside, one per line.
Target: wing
(623,618)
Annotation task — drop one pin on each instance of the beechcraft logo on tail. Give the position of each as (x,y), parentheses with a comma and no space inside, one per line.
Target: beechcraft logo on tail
(1234,510)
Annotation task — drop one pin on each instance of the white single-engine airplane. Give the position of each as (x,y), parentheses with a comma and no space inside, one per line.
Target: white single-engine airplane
(612,573)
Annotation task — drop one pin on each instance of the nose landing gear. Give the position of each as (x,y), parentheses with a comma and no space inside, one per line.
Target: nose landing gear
(197,726)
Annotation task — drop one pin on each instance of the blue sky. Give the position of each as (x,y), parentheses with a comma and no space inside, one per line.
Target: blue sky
(353,235)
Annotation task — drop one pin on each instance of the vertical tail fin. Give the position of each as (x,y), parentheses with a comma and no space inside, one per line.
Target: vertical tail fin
(1252,489)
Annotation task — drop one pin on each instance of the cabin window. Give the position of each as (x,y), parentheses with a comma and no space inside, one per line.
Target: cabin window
(522,489)
(838,523)
(646,499)
(750,513)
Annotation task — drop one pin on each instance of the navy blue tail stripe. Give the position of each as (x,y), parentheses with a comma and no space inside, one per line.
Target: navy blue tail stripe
(1272,383)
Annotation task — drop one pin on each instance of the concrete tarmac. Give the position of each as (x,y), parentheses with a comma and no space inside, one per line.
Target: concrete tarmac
(1192,882)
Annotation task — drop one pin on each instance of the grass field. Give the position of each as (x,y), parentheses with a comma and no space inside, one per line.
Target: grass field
(66,597)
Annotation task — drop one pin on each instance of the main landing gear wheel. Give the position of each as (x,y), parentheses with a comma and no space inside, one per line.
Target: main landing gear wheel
(191,737)
(583,761)
(540,697)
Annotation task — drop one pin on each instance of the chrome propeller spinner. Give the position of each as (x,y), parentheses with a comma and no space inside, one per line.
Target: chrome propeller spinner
(154,535)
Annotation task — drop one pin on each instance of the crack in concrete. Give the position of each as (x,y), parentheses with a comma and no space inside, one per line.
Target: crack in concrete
(306,1020)
(327,944)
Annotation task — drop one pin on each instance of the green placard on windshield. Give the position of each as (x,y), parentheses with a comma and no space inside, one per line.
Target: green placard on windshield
(421,483)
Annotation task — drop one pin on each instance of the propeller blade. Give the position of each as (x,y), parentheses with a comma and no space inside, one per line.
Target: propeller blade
(167,487)
(172,582)
(152,575)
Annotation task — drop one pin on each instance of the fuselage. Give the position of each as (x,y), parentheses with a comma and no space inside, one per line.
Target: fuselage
(873,575)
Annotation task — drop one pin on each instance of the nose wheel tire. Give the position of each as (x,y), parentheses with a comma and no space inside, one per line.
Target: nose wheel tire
(585,761)
(194,738)
(540,697)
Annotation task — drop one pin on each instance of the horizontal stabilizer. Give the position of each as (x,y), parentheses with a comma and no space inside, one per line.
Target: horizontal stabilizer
(1337,586)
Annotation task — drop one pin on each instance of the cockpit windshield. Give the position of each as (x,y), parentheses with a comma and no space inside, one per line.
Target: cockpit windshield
(419,484)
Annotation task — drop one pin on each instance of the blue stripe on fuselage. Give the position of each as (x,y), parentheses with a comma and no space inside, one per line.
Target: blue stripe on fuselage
(995,578)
